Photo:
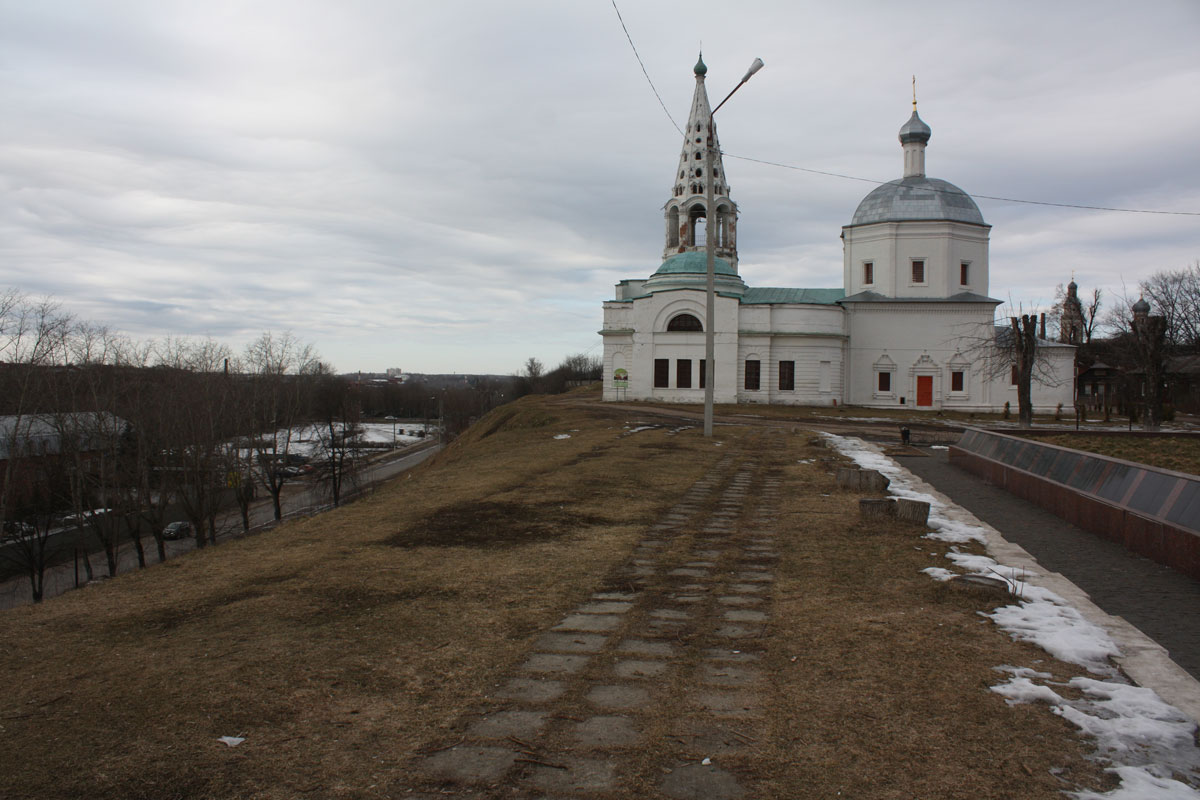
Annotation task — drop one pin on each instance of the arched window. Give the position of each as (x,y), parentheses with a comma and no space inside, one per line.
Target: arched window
(696,223)
(722,229)
(684,322)
(673,228)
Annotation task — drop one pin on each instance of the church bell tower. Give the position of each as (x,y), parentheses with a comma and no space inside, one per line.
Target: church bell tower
(687,211)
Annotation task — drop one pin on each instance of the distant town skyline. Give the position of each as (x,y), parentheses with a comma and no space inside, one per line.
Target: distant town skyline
(455,188)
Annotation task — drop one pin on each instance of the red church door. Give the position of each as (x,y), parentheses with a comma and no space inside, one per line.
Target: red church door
(924,390)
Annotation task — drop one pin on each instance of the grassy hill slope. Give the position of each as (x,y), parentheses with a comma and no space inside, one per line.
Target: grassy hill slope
(341,645)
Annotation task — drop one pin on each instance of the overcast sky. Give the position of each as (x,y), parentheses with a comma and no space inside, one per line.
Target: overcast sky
(456,186)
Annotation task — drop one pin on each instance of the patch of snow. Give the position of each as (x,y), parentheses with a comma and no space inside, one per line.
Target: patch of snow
(1023,672)
(1023,690)
(1147,740)
(1133,725)
(1137,783)
(1060,630)
(563,436)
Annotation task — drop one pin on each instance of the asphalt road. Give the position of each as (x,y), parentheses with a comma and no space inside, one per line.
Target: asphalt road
(299,498)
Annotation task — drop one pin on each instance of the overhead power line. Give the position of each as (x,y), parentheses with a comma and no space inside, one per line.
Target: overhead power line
(643,66)
(876,182)
(982,196)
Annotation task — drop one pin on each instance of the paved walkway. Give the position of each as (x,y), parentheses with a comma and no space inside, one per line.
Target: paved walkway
(1162,603)
(688,610)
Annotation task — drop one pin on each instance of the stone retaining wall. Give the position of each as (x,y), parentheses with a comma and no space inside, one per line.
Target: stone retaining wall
(1154,512)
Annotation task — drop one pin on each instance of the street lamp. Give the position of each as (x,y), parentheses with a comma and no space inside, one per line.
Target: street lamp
(710,301)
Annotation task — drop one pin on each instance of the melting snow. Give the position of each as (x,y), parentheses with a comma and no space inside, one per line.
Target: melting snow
(1146,739)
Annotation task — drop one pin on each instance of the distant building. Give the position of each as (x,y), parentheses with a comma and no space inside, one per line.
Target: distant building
(911,326)
(1070,322)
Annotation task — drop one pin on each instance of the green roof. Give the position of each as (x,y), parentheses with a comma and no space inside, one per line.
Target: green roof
(824,297)
(694,262)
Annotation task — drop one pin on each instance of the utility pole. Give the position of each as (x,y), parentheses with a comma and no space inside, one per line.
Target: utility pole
(710,241)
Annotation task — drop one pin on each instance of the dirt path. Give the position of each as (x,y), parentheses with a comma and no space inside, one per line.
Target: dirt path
(671,653)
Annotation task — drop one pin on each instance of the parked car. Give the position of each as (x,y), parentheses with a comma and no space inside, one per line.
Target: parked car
(178,530)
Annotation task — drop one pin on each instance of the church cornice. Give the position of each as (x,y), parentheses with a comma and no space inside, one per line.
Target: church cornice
(795,334)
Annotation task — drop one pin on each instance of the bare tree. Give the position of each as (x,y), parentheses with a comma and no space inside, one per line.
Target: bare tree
(1023,351)
(1175,295)
(32,334)
(337,414)
(1090,314)
(1013,347)
(280,368)
(1149,339)
(204,413)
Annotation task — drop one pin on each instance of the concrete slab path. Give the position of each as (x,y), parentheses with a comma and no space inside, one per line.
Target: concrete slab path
(674,649)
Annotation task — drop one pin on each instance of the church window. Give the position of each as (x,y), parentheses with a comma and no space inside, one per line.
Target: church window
(699,172)
(684,322)
(885,381)
(752,367)
(787,376)
(697,138)
(957,380)
(673,227)
(716,172)
(683,373)
(868,272)
(918,271)
(662,373)
(703,371)
(699,156)
(1013,379)
(964,271)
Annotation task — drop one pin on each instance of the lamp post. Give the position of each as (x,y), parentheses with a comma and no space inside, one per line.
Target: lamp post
(710,240)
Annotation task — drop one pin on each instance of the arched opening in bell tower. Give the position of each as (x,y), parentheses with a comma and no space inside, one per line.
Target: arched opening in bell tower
(697,221)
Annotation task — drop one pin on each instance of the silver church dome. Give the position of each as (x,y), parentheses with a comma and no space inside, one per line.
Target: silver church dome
(917,198)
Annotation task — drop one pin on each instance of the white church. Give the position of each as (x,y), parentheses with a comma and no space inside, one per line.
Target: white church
(912,325)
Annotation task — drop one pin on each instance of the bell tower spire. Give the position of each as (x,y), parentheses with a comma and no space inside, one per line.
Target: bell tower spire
(686,212)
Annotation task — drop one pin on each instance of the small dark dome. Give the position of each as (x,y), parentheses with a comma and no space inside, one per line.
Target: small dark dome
(700,69)
(915,130)
(1141,306)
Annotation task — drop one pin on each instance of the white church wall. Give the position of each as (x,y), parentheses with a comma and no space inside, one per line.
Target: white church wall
(892,247)
(908,340)
(816,368)
(806,319)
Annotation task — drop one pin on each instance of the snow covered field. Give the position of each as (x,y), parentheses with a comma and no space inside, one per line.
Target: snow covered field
(306,440)
(1147,741)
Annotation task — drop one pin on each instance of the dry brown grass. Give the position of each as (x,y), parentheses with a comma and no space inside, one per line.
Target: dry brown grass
(341,645)
(1179,453)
